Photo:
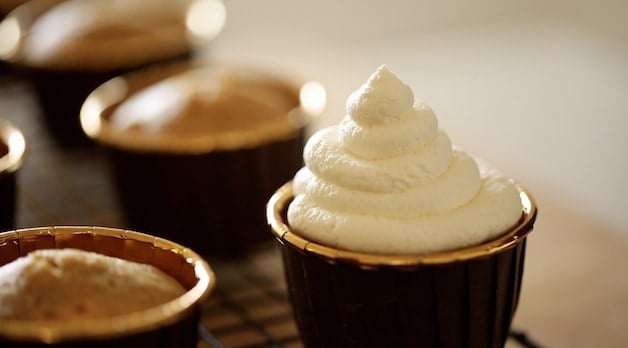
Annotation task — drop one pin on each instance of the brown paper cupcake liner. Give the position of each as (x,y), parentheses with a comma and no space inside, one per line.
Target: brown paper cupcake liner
(213,201)
(8,196)
(462,298)
(174,324)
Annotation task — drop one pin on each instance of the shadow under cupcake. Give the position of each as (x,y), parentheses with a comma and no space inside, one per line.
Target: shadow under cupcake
(66,48)
(197,150)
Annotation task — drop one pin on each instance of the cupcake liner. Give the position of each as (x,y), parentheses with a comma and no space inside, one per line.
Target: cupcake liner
(4,67)
(461,298)
(12,152)
(7,201)
(174,324)
(182,334)
(213,201)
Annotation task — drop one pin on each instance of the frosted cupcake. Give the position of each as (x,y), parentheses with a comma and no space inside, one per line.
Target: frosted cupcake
(391,236)
(67,48)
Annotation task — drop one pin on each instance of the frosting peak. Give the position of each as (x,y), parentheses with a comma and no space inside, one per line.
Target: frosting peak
(383,96)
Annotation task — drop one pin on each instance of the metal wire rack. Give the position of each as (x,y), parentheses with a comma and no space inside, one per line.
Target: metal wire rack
(61,186)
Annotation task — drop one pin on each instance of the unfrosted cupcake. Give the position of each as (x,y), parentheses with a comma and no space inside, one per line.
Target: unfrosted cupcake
(197,150)
(393,237)
(76,286)
(66,48)
(12,153)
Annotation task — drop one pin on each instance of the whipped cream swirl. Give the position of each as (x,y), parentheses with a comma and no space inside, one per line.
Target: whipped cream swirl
(387,180)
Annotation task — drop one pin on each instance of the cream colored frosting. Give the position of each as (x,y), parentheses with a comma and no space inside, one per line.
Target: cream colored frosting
(387,180)
(106,33)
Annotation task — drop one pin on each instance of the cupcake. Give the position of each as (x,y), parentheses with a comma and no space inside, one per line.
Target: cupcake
(391,236)
(12,152)
(73,286)
(196,150)
(66,48)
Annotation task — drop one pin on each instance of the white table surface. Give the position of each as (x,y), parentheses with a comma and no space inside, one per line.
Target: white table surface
(540,89)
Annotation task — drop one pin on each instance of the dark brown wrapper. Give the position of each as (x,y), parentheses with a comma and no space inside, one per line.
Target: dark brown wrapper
(181,334)
(214,201)
(459,298)
(4,67)
(463,304)
(7,200)
(172,325)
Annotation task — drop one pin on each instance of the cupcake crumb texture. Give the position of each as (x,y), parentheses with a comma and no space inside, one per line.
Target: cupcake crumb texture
(71,284)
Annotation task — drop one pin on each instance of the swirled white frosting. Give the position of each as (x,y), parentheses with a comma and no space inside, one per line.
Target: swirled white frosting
(387,180)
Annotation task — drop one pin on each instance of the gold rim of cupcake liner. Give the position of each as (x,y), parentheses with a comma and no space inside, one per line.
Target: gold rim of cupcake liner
(105,98)
(278,204)
(16,144)
(126,244)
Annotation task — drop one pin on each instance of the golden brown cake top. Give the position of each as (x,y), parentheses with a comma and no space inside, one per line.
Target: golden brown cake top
(205,102)
(71,284)
(197,109)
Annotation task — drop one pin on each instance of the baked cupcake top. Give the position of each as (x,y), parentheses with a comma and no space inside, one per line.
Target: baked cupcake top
(71,284)
(205,101)
(387,180)
(194,109)
(106,34)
